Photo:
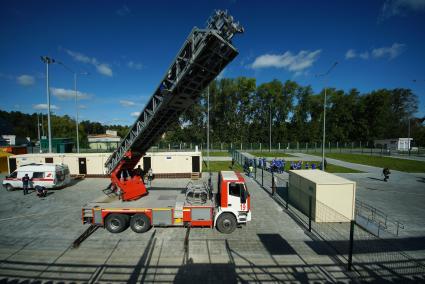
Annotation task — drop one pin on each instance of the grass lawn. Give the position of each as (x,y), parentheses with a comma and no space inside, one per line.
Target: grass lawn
(270,154)
(403,165)
(216,154)
(221,166)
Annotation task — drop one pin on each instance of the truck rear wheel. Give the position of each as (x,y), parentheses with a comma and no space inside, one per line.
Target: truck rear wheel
(116,223)
(226,223)
(140,223)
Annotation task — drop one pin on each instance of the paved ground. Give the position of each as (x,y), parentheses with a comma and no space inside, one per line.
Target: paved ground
(36,236)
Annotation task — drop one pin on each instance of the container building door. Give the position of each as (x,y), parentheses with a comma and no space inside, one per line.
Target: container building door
(82,166)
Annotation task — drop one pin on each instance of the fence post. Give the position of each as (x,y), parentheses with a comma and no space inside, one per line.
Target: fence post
(306,147)
(251,146)
(279,146)
(273,185)
(262,176)
(361,146)
(329,143)
(315,147)
(287,195)
(309,212)
(255,164)
(260,147)
(350,248)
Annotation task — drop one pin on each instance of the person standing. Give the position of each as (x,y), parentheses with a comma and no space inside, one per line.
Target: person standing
(233,162)
(25,183)
(150,177)
(251,169)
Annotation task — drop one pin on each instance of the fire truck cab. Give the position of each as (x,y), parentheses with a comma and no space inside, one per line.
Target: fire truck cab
(233,202)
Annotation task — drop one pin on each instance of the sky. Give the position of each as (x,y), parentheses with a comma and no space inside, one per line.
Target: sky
(122,49)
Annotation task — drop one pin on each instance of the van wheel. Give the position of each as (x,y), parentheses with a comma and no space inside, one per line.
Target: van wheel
(9,187)
(116,223)
(140,223)
(226,223)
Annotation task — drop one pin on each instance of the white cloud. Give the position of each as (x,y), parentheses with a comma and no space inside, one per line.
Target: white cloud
(102,68)
(364,55)
(25,80)
(291,62)
(127,103)
(123,11)
(351,53)
(135,114)
(392,8)
(44,107)
(66,94)
(134,65)
(389,52)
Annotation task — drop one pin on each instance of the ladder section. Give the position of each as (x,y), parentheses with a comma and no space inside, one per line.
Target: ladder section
(204,54)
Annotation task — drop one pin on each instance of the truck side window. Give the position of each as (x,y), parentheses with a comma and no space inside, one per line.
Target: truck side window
(38,175)
(234,189)
(13,175)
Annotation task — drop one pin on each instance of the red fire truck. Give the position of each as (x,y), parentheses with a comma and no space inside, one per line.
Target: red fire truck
(204,54)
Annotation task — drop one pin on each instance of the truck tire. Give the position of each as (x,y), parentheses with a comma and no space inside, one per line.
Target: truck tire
(226,223)
(116,223)
(8,187)
(140,223)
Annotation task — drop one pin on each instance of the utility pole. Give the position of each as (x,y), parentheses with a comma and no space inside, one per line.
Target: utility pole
(324,114)
(48,61)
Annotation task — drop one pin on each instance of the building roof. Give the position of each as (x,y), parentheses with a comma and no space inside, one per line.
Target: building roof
(320,177)
(102,136)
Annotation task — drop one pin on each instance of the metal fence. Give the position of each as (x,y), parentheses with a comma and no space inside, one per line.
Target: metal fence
(366,253)
(284,147)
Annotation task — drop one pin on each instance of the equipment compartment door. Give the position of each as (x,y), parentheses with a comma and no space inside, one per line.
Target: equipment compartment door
(195,164)
(146,164)
(82,166)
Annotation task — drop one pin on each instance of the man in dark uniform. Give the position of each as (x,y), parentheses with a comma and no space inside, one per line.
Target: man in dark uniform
(25,183)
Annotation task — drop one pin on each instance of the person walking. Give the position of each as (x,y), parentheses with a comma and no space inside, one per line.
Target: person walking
(25,183)
(386,172)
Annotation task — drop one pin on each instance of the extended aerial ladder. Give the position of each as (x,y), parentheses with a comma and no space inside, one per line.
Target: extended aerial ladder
(204,54)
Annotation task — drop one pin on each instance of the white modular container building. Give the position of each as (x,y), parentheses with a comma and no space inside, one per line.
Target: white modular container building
(163,164)
(333,197)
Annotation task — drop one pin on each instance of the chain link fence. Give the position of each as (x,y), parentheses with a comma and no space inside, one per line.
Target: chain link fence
(366,254)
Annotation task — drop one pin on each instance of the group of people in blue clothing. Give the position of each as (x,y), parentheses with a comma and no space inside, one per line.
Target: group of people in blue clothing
(278,165)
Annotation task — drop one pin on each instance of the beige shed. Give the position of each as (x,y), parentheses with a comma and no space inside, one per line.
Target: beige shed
(333,197)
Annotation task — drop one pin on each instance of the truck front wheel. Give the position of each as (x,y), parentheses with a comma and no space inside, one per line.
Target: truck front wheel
(116,223)
(226,223)
(8,187)
(140,223)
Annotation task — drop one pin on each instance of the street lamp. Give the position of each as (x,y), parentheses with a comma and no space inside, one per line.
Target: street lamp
(48,60)
(208,127)
(76,100)
(324,113)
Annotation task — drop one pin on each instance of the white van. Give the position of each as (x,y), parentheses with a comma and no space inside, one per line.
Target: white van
(44,175)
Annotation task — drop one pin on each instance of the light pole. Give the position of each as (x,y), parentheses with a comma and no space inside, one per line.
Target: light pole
(38,132)
(270,126)
(76,99)
(208,127)
(324,114)
(48,60)
(408,127)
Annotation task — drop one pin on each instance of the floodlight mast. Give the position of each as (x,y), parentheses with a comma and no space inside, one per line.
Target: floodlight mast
(48,60)
(204,54)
